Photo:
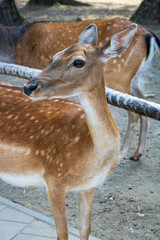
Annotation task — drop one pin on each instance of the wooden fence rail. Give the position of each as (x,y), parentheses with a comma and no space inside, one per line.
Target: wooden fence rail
(121,100)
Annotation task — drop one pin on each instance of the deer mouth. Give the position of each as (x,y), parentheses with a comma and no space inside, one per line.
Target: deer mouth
(35,90)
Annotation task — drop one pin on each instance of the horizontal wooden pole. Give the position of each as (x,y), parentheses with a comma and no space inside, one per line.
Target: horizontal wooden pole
(18,70)
(121,100)
(134,104)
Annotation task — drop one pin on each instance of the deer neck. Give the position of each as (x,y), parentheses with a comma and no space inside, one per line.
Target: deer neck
(102,127)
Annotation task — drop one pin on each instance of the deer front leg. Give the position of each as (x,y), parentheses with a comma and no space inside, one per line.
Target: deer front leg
(85,206)
(57,195)
(132,122)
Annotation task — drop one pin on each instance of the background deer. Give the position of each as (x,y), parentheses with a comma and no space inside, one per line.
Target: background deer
(34,45)
(59,143)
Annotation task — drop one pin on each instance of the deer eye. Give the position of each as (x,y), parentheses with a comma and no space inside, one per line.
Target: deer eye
(78,63)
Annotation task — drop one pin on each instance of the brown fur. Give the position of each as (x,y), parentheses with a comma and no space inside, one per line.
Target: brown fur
(40,41)
(45,127)
(43,40)
(58,142)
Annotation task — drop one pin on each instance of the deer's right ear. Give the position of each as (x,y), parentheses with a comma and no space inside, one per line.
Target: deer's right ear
(118,43)
(89,35)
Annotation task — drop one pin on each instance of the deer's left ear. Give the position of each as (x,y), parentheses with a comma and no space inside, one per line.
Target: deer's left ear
(118,42)
(89,35)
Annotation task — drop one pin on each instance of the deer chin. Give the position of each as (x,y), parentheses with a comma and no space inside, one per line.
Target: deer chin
(38,98)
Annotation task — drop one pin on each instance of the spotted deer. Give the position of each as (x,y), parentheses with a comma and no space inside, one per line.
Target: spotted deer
(59,143)
(34,45)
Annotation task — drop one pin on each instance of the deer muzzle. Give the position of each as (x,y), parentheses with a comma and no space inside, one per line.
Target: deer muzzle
(29,88)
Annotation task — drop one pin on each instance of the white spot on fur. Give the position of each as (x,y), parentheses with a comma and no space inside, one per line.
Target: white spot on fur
(42,153)
(76,140)
(37,152)
(82,116)
(52,128)
(47,132)
(10,116)
(16,91)
(28,151)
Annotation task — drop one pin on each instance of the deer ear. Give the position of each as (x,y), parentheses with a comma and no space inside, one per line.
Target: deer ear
(118,42)
(89,35)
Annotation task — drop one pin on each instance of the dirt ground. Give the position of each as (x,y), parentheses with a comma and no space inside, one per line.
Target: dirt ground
(127,206)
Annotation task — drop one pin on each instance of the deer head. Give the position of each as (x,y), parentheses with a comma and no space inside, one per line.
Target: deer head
(77,69)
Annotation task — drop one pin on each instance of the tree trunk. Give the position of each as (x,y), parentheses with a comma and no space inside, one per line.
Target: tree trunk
(52,2)
(148,12)
(9,14)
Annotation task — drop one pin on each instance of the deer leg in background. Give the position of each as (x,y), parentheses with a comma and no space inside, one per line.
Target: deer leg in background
(136,89)
(85,206)
(132,122)
(142,138)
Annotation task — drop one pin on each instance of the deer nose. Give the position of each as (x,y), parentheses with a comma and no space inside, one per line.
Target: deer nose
(28,90)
